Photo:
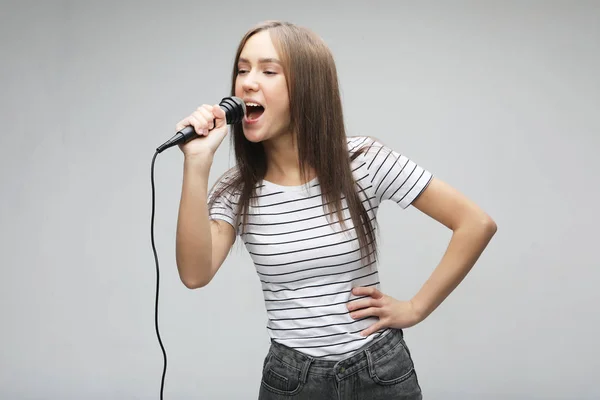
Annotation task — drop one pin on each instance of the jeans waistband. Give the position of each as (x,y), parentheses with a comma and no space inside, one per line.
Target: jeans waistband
(342,368)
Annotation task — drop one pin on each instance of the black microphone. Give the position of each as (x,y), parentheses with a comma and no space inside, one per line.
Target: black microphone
(235,109)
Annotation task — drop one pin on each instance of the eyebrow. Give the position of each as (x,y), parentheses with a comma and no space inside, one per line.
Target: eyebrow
(261,61)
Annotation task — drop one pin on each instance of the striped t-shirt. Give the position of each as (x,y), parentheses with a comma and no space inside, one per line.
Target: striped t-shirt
(306,265)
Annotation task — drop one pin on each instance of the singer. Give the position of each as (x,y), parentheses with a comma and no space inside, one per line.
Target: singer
(303,197)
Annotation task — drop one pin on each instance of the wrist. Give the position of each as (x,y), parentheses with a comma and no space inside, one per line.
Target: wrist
(198,161)
(419,309)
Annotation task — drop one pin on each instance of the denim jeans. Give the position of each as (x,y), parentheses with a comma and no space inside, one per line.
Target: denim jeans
(383,369)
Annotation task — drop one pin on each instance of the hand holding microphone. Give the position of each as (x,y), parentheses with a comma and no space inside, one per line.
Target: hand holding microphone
(205,119)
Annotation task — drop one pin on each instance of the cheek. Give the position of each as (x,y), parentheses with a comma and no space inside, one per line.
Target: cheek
(238,89)
(284,101)
(279,97)
(284,107)
(281,111)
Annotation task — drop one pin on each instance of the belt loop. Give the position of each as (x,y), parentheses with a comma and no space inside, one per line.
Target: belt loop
(304,373)
(369,362)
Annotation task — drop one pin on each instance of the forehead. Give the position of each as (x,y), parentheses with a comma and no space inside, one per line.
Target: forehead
(259,46)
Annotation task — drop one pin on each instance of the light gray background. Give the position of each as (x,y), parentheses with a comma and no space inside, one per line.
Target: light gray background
(499,98)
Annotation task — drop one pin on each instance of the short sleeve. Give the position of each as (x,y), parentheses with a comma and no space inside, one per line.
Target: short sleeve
(394,176)
(225,201)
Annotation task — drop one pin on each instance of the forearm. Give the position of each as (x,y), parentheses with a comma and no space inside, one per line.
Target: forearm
(193,240)
(466,246)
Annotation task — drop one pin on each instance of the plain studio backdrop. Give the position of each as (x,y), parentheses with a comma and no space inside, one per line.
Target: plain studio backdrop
(499,98)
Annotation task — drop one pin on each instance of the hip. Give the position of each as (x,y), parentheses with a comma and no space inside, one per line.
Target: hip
(382,369)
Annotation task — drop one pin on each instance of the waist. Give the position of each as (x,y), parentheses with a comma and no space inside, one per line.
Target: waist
(377,345)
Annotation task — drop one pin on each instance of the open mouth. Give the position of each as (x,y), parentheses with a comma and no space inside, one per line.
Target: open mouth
(254,111)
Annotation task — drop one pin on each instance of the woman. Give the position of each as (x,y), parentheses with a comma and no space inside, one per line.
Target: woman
(304,197)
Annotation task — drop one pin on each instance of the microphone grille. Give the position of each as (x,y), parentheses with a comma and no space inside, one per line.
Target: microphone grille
(235,109)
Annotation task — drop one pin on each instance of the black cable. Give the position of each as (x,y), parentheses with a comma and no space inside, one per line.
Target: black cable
(162,384)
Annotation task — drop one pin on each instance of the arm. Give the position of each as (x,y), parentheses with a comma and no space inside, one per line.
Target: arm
(201,244)
(397,178)
(472,230)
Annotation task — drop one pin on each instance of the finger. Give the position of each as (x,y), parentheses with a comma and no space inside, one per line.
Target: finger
(366,312)
(362,303)
(367,291)
(182,124)
(206,113)
(219,115)
(199,123)
(373,328)
(215,114)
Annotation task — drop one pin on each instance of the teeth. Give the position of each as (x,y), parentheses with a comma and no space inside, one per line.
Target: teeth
(253,104)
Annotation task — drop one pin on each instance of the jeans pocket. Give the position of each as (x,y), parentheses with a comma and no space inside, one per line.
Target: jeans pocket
(281,378)
(393,367)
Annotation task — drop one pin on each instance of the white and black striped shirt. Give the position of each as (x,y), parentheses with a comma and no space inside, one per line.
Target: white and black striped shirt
(306,265)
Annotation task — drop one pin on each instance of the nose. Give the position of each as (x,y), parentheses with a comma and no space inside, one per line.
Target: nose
(249,82)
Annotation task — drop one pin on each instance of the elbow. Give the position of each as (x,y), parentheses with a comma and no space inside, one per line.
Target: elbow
(194,283)
(479,224)
(489,226)
(193,275)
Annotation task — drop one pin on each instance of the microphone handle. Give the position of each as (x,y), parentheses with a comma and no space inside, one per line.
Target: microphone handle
(188,133)
(183,136)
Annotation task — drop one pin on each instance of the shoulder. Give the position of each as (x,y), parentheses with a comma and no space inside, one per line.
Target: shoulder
(392,175)
(223,198)
(356,143)
(226,185)
(229,176)
(366,148)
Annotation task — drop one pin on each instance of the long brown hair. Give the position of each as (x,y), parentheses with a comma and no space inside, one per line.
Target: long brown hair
(316,119)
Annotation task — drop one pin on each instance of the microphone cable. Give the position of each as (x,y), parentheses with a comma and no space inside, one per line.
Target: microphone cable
(162,383)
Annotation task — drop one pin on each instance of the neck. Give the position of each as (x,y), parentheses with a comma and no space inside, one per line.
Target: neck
(283,166)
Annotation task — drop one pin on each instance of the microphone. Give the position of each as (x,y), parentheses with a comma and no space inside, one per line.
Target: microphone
(235,109)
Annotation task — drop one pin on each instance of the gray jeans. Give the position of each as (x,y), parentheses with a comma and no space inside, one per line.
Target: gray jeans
(383,369)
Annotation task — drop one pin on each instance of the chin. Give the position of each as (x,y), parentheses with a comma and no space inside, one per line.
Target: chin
(251,137)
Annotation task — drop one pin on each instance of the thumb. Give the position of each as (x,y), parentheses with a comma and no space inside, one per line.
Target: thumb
(219,115)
